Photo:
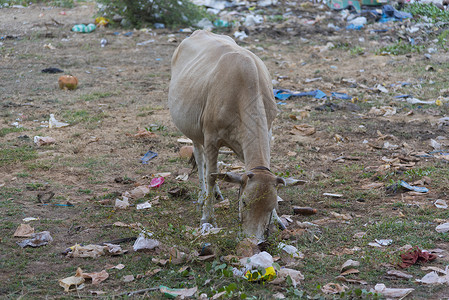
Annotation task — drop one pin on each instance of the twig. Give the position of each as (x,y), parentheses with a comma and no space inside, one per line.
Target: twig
(129,294)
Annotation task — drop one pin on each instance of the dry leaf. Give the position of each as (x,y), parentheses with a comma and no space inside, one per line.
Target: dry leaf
(344,217)
(350,271)
(153,272)
(399,274)
(349,264)
(128,278)
(349,280)
(303,129)
(333,288)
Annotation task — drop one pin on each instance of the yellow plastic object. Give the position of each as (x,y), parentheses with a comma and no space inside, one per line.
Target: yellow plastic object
(269,275)
(101,21)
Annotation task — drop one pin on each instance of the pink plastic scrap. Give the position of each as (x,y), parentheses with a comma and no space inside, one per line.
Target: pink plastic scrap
(157,182)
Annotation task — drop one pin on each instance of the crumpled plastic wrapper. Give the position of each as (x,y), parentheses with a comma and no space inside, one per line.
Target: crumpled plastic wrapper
(37,240)
(95,250)
(143,243)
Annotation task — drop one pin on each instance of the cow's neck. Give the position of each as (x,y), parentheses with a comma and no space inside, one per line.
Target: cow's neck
(256,146)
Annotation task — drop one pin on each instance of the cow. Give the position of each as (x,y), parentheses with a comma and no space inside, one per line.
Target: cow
(221,94)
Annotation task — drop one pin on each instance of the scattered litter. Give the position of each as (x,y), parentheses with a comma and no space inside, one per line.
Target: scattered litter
(175,293)
(101,21)
(389,13)
(415,255)
(145,42)
(267,275)
(94,251)
(305,211)
(285,94)
(261,260)
(139,192)
(205,24)
(144,243)
(162,174)
(399,274)
(29,219)
(442,228)
(440,204)
(148,156)
(414,188)
(184,141)
(37,240)
(122,204)
(52,70)
(43,140)
(241,35)
(84,28)
(283,273)
(67,82)
(143,133)
(385,111)
(157,182)
(435,145)
(144,205)
(96,277)
(434,278)
(53,123)
(75,281)
(49,46)
(359,235)
(381,289)
(356,23)
(291,250)
(24,230)
(333,195)
(341,96)
(182,177)
(384,242)
(128,278)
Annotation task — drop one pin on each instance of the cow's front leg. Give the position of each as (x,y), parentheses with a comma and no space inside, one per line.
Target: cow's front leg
(198,152)
(211,154)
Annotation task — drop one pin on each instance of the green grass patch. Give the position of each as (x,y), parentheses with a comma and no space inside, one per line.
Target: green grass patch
(428,10)
(95,96)
(5,131)
(15,155)
(400,48)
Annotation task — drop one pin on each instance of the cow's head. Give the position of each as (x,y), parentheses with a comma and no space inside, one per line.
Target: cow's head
(257,199)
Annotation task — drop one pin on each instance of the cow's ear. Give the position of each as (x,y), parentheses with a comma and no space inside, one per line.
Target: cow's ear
(228,176)
(280,180)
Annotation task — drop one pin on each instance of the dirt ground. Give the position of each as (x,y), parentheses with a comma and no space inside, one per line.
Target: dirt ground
(123,87)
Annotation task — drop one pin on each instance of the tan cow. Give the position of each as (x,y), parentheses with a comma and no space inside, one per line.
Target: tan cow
(221,95)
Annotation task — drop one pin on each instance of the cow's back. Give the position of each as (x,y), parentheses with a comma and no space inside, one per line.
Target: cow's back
(211,77)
